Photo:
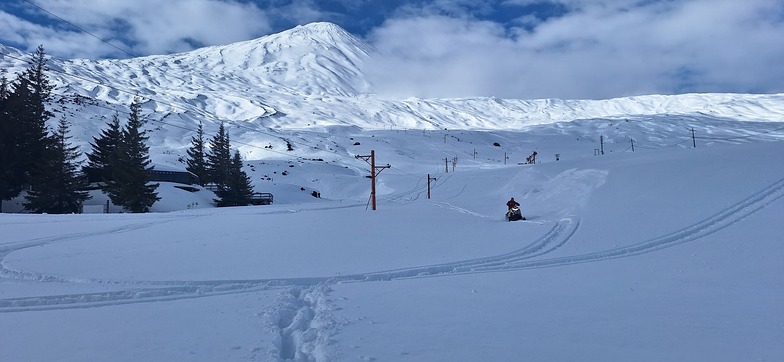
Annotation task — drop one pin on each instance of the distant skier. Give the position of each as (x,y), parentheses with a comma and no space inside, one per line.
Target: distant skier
(531,159)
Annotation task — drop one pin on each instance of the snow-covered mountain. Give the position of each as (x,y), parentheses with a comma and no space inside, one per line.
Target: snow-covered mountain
(314,75)
(306,88)
(665,248)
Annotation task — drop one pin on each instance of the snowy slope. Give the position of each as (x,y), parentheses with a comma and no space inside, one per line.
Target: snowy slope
(668,254)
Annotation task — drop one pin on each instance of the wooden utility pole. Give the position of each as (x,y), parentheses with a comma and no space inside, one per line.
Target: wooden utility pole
(601,143)
(446,164)
(428,185)
(693,139)
(632,144)
(373,173)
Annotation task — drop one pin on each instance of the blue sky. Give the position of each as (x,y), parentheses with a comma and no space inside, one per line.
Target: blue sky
(456,48)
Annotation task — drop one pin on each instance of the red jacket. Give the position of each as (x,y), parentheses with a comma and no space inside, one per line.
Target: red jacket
(512,203)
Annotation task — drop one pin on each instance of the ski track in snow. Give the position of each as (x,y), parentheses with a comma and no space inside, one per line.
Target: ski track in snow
(8,248)
(302,321)
(530,256)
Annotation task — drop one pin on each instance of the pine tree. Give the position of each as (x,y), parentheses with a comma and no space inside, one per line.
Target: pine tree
(104,151)
(14,161)
(238,190)
(197,157)
(219,158)
(58,191)
(23,134)
(11,177)
(129,185)
(32,94)
(4,87)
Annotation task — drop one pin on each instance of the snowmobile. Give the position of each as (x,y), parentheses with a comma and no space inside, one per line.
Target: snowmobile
(514,214)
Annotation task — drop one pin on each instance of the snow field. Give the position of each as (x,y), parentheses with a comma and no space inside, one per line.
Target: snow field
(612,266)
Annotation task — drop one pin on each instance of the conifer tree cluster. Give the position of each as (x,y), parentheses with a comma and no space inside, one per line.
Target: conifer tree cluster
(217,166)
(44,164)
(32,158)
(120,159)
(60,190)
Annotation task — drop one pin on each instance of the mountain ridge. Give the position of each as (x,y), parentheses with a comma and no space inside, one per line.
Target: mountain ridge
(311,78)
(301,74)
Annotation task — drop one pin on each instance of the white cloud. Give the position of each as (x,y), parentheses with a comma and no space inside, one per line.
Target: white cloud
(62,43)
(441,48)
(600,49)
(143,26)
(11,27)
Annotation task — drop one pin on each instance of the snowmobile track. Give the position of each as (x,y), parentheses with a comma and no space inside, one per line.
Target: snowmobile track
(708,226)
(527,257)
(141,291)
(553,239)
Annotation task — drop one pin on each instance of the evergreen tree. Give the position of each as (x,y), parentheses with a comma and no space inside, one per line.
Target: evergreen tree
(32,93)
(4,87)
(24,139)
(14,162)
(11,177)
(219,158)
(58,191)
(129,185)
(197,157)
(105,151)
(238,190)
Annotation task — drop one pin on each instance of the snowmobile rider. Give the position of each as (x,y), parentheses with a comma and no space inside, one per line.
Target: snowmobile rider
(512,203)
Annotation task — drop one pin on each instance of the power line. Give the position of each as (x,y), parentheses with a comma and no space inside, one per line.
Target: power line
(404,173)
(78,27)
(663,147)
(760,134)
(740,137)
